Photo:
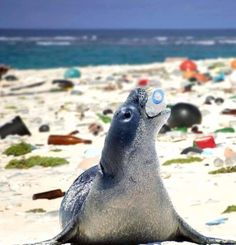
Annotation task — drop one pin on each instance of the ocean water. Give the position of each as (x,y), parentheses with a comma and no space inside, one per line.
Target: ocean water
(26,49)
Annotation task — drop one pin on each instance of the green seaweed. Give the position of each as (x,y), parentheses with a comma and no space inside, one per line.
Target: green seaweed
(216,65)
(18,149)
(36,161)
(224,170)
(10,107)
(56,150)
(182,160)
(230,209)
(36,210)
(105,119)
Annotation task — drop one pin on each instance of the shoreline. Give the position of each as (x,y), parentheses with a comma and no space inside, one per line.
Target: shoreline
(104,66)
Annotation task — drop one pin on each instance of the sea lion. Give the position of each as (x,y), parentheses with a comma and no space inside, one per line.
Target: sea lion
(123,199)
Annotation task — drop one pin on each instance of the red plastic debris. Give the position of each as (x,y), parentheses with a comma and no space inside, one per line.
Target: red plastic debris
(188,65)
(205,142)
(143,82)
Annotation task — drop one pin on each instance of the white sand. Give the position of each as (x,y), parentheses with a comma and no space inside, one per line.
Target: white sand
(197,196)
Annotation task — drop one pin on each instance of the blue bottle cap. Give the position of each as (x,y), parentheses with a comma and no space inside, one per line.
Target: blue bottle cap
(157,96)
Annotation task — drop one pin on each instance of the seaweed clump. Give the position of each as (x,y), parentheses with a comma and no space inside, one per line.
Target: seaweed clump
(26,163)
(18,149)
(36,210)
(182,160)
(224,170)
(230,209)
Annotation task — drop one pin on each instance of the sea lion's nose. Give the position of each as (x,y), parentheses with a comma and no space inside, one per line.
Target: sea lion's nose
(142,96)
(138,96)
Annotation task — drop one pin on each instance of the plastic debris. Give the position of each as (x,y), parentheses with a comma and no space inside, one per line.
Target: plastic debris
(191,149)
(218,221)
(218,162)
(219,101)
(205,142)
(196,130)
(72,73)
(225,130)
(209,99)
(181,129)
(230,156)
(233,64)
(104,118)
(229,112)
(63,84)
(10,78)
(95,128)
(16,126)
(156,102)
(220,77)
(188,65)
(107,111)
(184,115)
(3,70)
(67,139)
(32,85)
(53,194)
(143,82)
(44,128)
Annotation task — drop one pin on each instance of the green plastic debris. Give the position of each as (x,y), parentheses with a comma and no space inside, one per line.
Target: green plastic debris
(230,209)
(18,149)
(105,119)
(225,130)
(72,73)
(36,161)
(182,160)
(181,129)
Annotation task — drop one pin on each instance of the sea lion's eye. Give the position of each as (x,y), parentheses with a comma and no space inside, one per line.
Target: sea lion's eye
(127,114)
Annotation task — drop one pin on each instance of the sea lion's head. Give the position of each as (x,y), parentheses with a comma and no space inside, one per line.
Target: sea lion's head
(131,131)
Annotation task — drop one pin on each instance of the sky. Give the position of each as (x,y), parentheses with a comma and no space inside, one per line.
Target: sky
(116,14)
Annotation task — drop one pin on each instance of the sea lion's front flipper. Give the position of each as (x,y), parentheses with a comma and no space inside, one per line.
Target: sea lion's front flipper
(68,233)
(187,233)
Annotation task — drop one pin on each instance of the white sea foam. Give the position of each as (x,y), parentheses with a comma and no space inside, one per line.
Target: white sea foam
(161,38)
(195,42)
(228,41)
(204,42)
(69,38)
(9,39)
(53,43)
(94,38)
(37,38)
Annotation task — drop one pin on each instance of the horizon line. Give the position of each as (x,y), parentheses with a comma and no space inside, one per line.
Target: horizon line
(114,29)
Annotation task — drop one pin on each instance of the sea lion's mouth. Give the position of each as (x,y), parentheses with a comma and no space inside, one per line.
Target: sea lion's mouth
(165,112)
(155,105)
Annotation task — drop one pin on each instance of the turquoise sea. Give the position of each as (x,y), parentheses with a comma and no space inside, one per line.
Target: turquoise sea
(26,49)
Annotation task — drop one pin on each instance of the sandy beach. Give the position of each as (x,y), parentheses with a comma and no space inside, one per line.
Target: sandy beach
(198,196)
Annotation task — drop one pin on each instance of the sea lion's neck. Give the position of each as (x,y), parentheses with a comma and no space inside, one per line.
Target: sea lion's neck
(118,160)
